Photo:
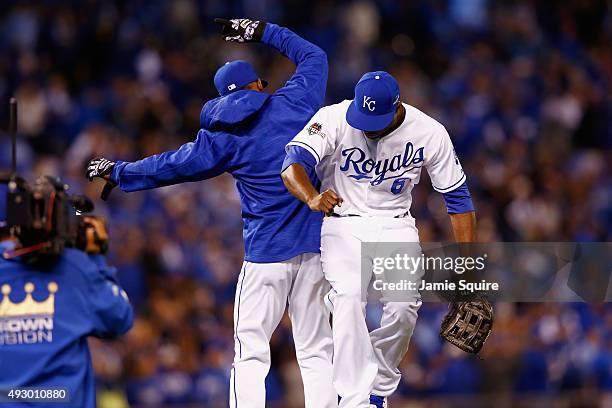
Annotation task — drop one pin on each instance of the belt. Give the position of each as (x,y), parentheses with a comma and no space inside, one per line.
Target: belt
(404,215)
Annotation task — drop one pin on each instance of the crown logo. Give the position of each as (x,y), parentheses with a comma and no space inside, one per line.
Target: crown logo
(28,306)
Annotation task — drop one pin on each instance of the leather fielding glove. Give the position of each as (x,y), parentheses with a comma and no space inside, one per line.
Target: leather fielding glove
(468,324)
(241,29)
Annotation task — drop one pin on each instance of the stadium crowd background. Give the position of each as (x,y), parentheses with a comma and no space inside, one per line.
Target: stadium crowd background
(524,88)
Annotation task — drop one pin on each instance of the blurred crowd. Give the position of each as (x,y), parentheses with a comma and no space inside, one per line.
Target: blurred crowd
(524,88)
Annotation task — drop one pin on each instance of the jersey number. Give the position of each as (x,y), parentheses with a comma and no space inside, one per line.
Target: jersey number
(399,184)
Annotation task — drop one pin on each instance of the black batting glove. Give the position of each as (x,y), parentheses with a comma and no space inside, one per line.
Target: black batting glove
(99,167)
(102,168)
(241,29)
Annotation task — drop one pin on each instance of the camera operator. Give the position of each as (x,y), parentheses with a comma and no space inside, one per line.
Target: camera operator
(47,310)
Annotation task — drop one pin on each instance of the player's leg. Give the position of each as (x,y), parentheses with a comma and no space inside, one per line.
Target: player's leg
(312,331)
(390,341)
(261,297)
(354,367)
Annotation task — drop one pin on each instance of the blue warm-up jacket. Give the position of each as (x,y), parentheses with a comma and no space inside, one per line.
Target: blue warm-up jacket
(244,134)
(46,314)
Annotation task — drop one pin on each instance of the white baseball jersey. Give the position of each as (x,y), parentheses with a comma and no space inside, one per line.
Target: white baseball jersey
(376,177)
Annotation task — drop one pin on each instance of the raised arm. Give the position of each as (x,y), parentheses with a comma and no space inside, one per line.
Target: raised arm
(206,157)
(109,304)
(101,299)
(310,78)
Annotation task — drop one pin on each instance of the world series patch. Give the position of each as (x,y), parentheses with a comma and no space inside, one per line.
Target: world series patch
(316,129)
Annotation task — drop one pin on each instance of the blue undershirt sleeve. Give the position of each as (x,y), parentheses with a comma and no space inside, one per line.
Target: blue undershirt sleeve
(459,200)
(301,156)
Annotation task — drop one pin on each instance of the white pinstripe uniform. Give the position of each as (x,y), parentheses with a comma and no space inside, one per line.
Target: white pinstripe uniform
(375,178)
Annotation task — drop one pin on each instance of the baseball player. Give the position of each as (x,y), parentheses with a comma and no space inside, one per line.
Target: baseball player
(244,132)
(368,153)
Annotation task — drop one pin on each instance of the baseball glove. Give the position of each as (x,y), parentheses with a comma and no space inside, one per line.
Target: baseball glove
(468,324)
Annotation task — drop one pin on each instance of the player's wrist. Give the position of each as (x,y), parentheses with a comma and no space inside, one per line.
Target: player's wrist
(311,198)
(266,32)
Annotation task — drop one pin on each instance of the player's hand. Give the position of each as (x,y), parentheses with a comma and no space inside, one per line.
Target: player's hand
(93,235)
(325,202)
(102,168)
(99,167)
(241,29)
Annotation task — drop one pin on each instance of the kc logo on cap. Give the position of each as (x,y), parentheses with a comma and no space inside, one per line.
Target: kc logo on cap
(369,103)
(376,99)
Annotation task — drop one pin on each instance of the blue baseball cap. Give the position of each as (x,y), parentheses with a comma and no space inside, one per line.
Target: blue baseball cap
(376,98)
(234,75)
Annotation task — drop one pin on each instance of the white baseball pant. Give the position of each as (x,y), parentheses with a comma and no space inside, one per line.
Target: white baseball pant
(364,363)
(263,291)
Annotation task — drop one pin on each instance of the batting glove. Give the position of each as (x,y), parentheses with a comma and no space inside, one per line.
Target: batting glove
(102,168)
(241,29)
(99,167)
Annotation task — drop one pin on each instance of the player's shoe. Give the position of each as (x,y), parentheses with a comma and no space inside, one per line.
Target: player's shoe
(376,401)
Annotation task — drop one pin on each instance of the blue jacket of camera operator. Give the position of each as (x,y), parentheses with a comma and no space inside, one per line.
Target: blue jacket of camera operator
(46,314)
